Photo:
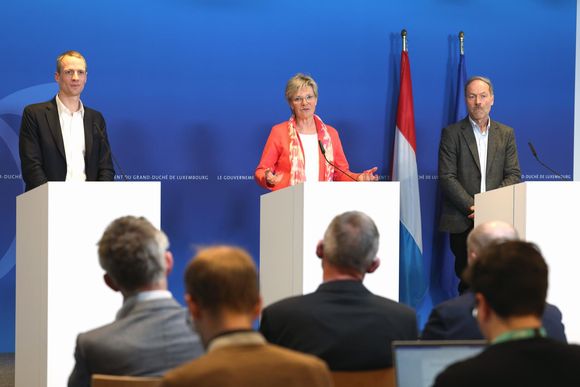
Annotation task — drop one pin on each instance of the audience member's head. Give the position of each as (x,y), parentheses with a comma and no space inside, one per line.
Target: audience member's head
(134,255)
(222,290)
(486,234)
(510,282)
(350,244)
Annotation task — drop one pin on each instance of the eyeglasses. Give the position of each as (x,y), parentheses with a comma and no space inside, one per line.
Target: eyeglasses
(71,73)
(308,98)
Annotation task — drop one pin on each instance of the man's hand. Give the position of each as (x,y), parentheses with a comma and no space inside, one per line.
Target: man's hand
(472,215)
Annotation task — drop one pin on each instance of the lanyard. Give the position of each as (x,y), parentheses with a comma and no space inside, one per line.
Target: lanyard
(520,334)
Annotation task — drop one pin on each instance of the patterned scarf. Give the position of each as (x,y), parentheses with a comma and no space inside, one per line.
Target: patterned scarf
(297,173)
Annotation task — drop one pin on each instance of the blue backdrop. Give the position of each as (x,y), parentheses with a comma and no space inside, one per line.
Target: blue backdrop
(190,90)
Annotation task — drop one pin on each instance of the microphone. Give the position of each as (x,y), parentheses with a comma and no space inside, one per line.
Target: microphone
(544,165)
(104,141)
(324,154)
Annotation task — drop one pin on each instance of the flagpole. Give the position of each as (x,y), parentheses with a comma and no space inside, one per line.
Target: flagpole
(461,38)
(404,37)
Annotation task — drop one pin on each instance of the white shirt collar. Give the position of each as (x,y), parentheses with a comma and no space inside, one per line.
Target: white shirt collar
(151,295)
(147,296)
(476,127)
(130,302)
(63,109)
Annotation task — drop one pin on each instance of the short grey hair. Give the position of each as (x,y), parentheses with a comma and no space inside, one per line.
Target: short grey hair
(132,252)
(490,233)
(479,78)
(351,240)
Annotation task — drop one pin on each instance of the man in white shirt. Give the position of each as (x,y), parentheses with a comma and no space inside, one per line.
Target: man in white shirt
(63,140)
(476,155)
(151,333)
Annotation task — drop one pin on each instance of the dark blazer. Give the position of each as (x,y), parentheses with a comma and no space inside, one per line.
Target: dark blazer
(460,173)
(531,362)
(148,338)
(342,323)
(452,320)
(42,154)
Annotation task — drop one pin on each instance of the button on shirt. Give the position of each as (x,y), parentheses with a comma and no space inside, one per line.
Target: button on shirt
(73,137)
(481,141)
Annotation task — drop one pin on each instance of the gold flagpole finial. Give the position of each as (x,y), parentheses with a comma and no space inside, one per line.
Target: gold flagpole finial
(404,36)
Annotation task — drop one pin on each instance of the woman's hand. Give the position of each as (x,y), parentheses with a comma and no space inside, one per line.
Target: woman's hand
(271,178)
(368,175)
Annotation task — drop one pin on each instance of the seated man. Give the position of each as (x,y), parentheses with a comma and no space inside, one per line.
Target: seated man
(452,319)
(342,322)
(224,300)
(150,334)
(510,282)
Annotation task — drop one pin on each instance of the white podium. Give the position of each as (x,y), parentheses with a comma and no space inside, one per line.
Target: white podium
(547,214)
(60,290)
(294,219)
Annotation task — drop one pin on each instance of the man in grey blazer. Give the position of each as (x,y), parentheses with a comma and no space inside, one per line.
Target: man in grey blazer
(476,155)
(151,333)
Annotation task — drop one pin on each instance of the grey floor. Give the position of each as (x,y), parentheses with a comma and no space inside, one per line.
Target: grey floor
(6,370)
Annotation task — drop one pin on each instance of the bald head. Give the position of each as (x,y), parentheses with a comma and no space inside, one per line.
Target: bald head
(486,234)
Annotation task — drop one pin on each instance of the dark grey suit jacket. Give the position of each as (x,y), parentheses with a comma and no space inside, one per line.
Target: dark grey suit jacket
(460,173)
(342,323)
(147,338)
(42,154)
(453,320)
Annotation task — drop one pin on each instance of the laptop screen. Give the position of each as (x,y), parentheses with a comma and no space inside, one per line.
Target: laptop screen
(417,363)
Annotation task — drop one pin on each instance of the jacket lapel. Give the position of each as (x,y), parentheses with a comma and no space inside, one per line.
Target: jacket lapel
(467,132)
(87,123)
(54,125)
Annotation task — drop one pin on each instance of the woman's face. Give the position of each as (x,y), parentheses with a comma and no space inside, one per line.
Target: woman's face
(303,103)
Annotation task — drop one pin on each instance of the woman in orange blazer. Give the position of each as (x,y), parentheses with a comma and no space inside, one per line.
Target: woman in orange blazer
(304,137)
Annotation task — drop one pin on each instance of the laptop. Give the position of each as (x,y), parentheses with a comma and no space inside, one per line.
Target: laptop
(417,363)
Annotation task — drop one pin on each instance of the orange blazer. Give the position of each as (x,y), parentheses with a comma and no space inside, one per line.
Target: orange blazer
(276,158)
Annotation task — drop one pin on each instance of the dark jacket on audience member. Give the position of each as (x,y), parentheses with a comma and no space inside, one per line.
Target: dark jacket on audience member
(453,320)
(535,362)
(342,323)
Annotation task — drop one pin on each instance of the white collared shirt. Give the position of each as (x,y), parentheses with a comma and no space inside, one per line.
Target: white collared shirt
(147,295)
(310,148)
(481,141)
(152,295)
(73,137)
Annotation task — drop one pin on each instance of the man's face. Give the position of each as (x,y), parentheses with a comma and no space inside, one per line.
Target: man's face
(479,100)
(72,76)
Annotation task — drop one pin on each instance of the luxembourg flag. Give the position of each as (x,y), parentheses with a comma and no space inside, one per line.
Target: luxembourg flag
(412,279)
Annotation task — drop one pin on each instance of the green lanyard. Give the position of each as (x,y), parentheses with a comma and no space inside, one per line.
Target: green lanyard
(520,334)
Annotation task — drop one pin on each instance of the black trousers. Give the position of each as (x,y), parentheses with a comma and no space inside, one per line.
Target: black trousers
(458,245)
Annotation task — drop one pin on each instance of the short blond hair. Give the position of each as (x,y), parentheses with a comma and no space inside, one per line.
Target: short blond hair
(72,53)
(297,82)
